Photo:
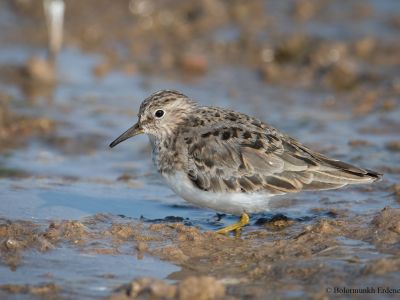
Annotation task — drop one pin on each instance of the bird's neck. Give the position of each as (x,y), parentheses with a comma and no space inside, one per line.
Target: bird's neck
(165,154)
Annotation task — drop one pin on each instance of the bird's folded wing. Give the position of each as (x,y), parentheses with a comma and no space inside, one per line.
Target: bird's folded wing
(253,162)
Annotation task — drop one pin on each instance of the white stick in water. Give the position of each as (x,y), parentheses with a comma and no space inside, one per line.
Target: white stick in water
(54,11)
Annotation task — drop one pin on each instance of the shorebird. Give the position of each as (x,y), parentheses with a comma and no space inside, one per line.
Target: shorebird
(230,162)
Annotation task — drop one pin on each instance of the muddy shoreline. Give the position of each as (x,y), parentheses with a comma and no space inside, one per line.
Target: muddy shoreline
(80,221)
(286,252)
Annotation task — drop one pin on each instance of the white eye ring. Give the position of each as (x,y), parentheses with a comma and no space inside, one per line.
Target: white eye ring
(159,113)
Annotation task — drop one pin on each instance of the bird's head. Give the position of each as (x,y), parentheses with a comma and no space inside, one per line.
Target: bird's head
(159,115)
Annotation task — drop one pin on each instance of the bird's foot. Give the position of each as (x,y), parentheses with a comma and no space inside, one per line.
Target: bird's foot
(244,220)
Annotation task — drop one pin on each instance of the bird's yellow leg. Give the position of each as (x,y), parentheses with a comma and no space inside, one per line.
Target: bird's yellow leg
(244,220)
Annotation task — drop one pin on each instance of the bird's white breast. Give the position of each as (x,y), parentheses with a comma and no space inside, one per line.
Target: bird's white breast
(232,203)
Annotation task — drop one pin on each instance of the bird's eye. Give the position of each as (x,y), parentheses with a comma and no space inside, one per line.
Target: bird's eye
(159,113)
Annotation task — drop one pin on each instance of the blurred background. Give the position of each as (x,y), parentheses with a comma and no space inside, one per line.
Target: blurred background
(72,77)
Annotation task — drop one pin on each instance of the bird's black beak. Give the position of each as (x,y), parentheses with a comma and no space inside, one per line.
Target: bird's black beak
(134,130)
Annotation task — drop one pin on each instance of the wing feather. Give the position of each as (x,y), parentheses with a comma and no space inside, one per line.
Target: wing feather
(243,159)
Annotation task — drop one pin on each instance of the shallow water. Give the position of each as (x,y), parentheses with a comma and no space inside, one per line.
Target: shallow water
(77,178)
(84,275)
(71,174)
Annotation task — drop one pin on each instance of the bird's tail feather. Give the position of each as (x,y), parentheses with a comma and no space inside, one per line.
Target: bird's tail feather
(334,174)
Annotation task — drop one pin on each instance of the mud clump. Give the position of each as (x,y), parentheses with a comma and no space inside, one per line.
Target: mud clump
(276,222)
(202,288)
(342,76)
(17,237)
(123,232)
(396,190)
(40,70)
(304,10)
(387,226)
(145,288)
(72,231)
(196,288)
(16,129)
(382,266)
(47,290)
(194,64)
(393,146)
(359,143)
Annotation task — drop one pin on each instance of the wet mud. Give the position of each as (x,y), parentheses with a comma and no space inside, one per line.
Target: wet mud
(214,266)
(80,221)
(16,129)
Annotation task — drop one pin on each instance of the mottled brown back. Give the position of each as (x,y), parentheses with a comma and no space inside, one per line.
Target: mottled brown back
(225,151)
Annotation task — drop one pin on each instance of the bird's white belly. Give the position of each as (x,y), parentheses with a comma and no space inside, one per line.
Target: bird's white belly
(232,203)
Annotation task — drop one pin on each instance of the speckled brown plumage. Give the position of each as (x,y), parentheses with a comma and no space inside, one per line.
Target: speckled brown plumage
(223,151)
